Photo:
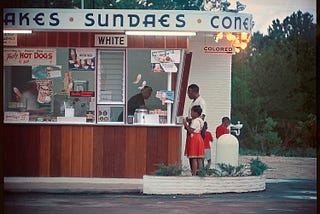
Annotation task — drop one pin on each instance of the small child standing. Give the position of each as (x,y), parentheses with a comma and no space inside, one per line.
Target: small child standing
(207,147)
(223,128)
(195,146)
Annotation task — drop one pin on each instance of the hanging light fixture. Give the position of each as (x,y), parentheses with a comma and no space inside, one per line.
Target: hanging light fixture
(236,43)
(244,36)
(243,45)
(230,37)
(219,36)
(237,40)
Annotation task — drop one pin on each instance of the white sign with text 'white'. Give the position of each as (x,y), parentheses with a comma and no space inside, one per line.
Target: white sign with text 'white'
(113,40)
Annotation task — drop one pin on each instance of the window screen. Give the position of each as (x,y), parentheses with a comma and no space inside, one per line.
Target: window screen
(111,77)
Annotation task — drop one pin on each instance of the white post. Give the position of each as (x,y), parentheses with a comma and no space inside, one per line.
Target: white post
(169,105)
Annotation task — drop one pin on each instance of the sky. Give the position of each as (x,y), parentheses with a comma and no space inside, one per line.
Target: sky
(264,12)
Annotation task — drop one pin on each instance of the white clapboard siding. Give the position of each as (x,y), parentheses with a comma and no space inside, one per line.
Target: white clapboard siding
(212,73)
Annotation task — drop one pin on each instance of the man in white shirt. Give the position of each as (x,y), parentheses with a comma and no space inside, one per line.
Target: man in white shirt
(193,94)
(197,100)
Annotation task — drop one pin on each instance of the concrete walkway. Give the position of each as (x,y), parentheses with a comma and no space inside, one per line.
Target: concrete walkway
(286,167)
(280,168)
(80,185)
(72,185)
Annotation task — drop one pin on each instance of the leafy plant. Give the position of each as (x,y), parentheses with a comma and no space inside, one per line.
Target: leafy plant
(301,152)
(224,170)
(257,167)
(168,170)
(229,170)
(207,171)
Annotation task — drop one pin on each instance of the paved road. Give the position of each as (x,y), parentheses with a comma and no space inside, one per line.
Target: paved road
(280,196)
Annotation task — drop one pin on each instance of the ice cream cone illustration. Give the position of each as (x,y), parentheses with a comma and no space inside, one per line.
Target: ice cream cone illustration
(17,92)
(144,83)
(138,78)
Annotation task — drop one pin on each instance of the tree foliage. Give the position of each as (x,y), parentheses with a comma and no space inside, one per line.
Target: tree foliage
(108,4)
(152,4)
(275,80)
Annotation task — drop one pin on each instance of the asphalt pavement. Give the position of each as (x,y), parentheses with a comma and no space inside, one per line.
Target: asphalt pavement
(291,187)
(280,196)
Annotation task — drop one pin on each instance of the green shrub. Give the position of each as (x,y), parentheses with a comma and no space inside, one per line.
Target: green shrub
(232,171)
(224,170)
(257,167)
(249,152)
(279,151)
(301,152)
(168,170)
(207,171)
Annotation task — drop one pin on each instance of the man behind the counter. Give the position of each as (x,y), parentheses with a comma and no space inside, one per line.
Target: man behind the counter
(29,98)
(137,101)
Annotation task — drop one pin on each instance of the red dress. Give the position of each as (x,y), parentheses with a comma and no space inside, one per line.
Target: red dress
(194,143)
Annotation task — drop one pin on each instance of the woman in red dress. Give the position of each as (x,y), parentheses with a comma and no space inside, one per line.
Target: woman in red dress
(194,146)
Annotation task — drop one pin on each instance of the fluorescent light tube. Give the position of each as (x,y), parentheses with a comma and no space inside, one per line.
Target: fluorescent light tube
(160,33)
(17,31)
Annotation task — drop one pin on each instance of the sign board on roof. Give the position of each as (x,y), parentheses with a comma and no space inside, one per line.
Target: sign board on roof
(122,20)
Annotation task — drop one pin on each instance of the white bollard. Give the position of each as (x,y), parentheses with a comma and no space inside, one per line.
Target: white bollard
(227,150)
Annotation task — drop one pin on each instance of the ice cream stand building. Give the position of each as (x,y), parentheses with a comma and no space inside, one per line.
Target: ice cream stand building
(86,64)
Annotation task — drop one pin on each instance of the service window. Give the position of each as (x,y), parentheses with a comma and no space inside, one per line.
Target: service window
(49,85)
(157,69)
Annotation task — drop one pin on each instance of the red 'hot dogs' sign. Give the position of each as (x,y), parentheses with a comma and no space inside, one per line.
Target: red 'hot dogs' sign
(28,56)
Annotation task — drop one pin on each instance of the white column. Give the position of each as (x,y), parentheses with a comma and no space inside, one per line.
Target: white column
(169,105)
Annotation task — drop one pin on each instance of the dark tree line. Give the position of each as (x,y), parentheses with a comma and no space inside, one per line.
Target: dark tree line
(274,87)
(108,4)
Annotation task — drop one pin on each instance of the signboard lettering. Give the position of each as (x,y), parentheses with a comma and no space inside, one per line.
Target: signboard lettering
(218,50)
(111,40)
(20,56)
(10,39)
(97,19)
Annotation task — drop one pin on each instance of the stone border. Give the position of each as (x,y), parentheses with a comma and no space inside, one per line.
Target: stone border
(200,185)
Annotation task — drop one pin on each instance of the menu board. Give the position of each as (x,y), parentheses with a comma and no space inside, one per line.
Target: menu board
(165,60)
